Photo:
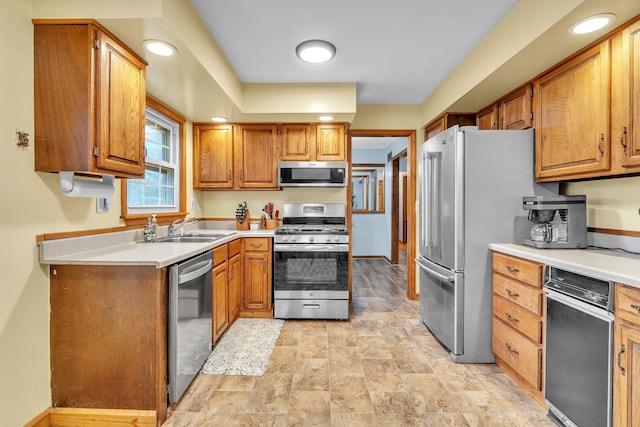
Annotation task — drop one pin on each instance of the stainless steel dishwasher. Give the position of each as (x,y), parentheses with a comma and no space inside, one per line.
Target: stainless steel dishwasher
(579,348)
(188,321)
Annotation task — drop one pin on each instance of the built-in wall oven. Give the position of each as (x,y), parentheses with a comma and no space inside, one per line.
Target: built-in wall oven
(188,321)
(579,349)
(311,263)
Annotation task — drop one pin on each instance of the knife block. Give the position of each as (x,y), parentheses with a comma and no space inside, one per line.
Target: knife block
(245,223)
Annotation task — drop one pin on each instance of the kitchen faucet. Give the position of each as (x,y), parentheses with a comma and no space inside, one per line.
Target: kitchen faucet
(174,227)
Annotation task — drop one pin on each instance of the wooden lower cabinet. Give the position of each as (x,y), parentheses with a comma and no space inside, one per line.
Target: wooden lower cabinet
(518,321)
(626,370)
(108,337)
(220,294)
(257,291)
(235,280)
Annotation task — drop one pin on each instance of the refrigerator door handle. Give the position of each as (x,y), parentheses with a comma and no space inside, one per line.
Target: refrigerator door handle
(432,217)
(424,266)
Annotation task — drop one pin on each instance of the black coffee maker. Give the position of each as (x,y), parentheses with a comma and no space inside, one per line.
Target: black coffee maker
(558,221)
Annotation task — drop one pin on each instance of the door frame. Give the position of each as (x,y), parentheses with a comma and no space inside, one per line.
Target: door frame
(411,196)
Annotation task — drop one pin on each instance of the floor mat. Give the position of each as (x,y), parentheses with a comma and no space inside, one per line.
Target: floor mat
(245,349)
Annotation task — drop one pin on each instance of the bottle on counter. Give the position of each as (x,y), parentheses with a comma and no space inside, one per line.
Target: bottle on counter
(149,235)
(154,227)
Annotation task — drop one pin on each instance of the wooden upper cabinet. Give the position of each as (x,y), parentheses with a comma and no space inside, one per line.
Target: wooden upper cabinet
(516,109)
(571,106)
(447,120)
(89,100)
(256,156)
(487,118)
(295,142)
(625,100)
(212,156)
(330,143)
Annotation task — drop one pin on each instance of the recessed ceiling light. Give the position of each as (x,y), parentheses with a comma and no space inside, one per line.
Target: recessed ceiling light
(325,118)
(315,51)
(159,47)
(218,119)
(592,23)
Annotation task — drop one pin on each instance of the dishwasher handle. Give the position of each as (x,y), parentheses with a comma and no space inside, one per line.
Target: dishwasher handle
(194,271)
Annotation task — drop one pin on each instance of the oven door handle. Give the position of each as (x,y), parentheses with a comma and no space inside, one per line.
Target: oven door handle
(320,247)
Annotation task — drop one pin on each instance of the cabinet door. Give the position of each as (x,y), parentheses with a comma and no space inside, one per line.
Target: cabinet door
(257,289)
(487,119)
(330,143)
(220,300)
(572,117)
(212,156)
(295,142)
(626,377)
(256,153)
(235,287)
(434,129)
(120,116)
(625,100)
(516,109)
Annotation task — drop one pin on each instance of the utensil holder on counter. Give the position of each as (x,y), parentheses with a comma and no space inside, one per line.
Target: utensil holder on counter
(271,224)
(245,224)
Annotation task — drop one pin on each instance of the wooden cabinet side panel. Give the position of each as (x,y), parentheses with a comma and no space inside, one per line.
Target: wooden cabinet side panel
(108,337)
(235,290)
(63,64)
(121,109)
(212,157)
(572,117)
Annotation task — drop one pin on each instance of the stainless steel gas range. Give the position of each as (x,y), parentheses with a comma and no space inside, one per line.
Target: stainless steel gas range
(311,262)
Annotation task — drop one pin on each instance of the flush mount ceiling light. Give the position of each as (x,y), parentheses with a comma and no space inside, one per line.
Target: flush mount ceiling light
(218,119)
(325,118)
(159,47)
(315,51)
(592,23)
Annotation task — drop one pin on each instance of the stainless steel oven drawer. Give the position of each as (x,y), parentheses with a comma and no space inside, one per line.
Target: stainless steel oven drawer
(311,309)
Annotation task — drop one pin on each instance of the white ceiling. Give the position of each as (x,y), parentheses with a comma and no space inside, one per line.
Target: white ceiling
(396,52)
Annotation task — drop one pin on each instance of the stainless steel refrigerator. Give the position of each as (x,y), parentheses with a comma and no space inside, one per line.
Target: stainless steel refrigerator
(471,185)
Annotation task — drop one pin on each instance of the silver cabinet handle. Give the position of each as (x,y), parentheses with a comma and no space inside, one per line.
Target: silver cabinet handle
(511,349)
(512,269)
(636,307)
(511,318)
(512,294)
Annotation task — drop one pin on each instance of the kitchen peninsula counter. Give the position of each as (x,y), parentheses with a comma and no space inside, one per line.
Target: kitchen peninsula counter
(126,248)
(606,264)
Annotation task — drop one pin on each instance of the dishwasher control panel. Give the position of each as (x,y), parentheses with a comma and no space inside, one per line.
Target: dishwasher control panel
(593,291)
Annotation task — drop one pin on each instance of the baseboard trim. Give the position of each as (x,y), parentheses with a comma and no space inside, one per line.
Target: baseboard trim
(72,417)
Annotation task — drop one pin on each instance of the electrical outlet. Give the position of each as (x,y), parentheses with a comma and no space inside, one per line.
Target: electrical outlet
(22,139)
(193,203)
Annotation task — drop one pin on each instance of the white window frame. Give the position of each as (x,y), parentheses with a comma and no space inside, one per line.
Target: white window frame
(175,163)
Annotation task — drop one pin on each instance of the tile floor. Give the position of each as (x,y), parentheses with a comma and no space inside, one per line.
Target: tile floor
(380,368)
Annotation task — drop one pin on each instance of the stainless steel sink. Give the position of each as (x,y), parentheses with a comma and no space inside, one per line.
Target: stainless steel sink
(189,239)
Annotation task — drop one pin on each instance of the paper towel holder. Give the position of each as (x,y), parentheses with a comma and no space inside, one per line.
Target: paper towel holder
(101,190)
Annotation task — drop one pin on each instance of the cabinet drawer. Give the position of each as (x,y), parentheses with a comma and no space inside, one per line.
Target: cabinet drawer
(518,318)
(256,244)
(520,269)
(234,247)
(627,301)
(220,254)
(523,295)
(524,357)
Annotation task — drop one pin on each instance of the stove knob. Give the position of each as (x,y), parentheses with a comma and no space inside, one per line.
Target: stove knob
(293,239)
(337,240)
(285,238)
(310,239)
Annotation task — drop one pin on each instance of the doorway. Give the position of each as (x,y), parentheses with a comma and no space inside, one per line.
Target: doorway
(401,214)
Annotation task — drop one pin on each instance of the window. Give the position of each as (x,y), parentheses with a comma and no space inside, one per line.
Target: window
(162,190)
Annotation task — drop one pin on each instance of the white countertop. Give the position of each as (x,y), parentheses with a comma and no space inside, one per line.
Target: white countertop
(606,264)
(125,250)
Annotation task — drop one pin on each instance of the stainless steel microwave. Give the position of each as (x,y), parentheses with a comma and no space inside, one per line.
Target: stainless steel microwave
(312,174)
